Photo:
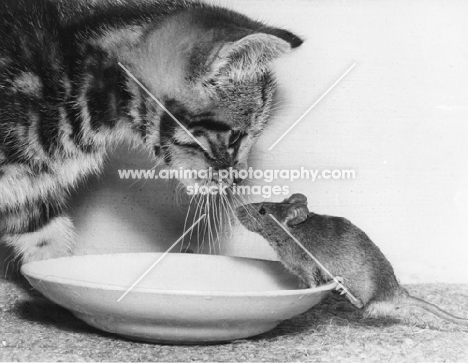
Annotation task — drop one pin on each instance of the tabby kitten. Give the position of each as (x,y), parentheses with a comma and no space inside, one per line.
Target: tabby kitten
(65,101)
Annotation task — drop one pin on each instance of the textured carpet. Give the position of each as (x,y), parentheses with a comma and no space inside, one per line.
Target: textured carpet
(34,329)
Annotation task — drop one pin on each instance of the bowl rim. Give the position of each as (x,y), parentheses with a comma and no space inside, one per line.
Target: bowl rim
(60,280)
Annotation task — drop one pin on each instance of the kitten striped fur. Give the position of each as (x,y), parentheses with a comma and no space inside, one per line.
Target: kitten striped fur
(65,102)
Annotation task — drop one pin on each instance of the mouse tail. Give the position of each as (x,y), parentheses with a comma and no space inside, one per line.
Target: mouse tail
(434,309)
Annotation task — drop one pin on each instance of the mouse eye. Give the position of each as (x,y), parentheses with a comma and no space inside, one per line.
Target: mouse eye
(262,211)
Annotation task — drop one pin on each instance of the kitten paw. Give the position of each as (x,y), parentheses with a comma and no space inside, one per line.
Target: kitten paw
(51,241)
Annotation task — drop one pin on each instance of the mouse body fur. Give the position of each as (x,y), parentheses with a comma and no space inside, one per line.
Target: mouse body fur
(344,249)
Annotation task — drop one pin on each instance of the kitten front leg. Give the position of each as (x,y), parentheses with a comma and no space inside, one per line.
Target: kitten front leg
(54,239)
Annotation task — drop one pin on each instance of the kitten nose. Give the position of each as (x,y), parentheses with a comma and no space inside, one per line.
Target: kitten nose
(241,166)
(238,180)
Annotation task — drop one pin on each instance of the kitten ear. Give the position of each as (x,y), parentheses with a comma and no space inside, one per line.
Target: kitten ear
(251,55)
(286,35)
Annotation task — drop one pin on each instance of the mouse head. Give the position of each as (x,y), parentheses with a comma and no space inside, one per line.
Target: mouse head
(256,216)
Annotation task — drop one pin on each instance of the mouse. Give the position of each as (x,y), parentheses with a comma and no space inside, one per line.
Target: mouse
(364,274)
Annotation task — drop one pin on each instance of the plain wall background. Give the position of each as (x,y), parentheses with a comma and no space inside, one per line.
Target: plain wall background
(400,119)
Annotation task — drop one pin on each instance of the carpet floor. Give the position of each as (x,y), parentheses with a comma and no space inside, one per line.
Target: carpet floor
(34,329)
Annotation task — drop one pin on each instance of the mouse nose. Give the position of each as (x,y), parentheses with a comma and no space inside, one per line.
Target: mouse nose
(239,210)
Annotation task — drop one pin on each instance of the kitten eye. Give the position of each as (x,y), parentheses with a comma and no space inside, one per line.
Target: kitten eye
(262,211)
(235,137)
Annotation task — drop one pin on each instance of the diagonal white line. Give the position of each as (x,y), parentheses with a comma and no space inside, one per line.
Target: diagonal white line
(160,258)
(313,257)
(161,105)
(311,107)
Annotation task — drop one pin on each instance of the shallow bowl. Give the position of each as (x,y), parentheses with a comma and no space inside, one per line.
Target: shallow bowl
(185,299)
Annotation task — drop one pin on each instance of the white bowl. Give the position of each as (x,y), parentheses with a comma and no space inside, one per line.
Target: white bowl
(185,299)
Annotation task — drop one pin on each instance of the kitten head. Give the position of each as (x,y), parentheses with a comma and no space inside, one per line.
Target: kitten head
(212,70)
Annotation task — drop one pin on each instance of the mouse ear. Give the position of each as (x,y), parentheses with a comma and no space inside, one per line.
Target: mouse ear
(296,198)
(297,213)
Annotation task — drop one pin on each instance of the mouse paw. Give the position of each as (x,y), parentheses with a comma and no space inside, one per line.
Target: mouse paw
(339,287)
(339,279)
(358,303)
